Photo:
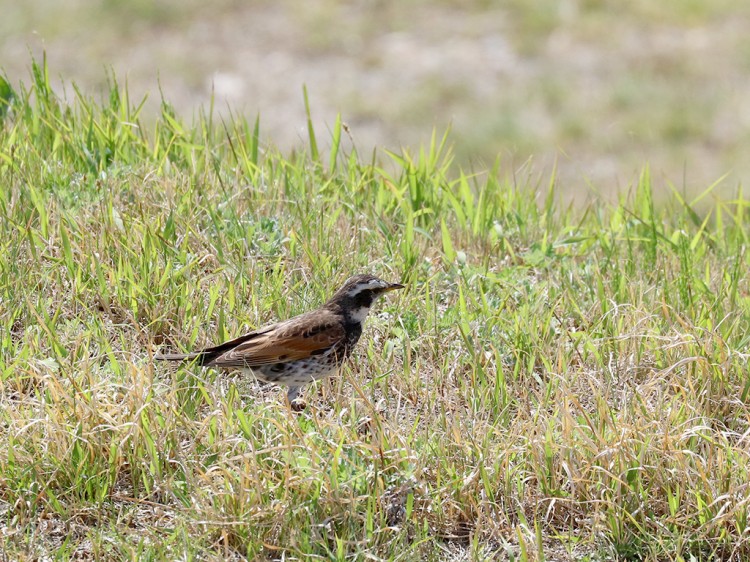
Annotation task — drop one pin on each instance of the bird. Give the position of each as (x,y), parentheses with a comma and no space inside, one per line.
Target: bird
(304,348)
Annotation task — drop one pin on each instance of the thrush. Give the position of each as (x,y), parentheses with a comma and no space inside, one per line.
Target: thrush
(305,348)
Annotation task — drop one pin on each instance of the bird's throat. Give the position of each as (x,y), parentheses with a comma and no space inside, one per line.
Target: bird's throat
(357,315)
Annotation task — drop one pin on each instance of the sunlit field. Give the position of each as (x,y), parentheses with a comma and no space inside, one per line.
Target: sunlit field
(556,382)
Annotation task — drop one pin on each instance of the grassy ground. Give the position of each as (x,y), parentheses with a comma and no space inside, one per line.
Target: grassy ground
(555,384)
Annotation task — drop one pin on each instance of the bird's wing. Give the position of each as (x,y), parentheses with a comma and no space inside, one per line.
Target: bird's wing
(298,338)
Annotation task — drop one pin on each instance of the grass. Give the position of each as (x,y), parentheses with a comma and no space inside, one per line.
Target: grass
(595,88)
(555,384)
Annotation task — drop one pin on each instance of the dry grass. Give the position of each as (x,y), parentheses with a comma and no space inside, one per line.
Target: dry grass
(554,385)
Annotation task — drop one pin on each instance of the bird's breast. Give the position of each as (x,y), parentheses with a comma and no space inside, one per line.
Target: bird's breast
(353,332)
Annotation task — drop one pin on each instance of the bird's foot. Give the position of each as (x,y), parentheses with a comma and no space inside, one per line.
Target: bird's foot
(298,405)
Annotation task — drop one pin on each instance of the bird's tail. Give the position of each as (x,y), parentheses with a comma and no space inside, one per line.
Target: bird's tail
(206,356)
(178,356)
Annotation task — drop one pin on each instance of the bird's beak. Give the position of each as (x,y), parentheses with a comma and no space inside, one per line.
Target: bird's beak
(393,287)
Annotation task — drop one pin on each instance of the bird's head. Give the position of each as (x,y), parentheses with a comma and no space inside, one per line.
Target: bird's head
(358,293)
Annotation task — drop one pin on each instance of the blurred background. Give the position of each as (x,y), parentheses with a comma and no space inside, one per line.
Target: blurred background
(597,88)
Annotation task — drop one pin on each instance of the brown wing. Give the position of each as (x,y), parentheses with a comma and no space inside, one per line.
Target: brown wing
(297,338)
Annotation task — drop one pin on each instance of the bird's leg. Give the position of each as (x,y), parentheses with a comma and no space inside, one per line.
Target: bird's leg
(295,402)
(293,392)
